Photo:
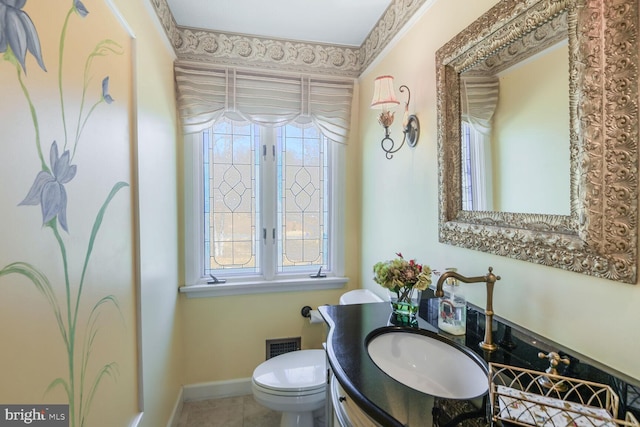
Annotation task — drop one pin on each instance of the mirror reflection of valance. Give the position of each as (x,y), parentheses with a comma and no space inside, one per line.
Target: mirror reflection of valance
(479,98)
(207,93)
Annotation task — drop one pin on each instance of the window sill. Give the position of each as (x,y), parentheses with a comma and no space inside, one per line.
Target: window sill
(259,287)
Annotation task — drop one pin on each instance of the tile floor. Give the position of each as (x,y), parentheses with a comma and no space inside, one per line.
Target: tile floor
(244,411)
(240,411)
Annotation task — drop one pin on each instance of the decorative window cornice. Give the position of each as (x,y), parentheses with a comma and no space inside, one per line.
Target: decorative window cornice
(288,55)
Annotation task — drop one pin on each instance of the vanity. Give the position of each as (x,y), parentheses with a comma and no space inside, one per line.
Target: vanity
(372,396)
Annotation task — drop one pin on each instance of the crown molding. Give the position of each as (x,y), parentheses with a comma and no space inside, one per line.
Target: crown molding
(285,55)
(388,26)
(167,20)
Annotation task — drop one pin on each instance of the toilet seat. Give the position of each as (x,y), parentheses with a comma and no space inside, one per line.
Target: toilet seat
(299,373)
(284,393)
(359,296)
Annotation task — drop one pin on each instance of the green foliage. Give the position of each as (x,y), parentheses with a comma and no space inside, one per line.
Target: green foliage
(399,273)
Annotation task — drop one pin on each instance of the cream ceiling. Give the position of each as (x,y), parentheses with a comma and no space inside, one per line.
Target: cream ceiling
(340,22)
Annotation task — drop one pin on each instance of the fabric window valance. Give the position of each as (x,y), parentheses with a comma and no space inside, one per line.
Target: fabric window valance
(207,93)
(479,97)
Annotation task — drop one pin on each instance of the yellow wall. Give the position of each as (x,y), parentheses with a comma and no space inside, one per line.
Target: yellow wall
(131,140)
(531,122)
(593,316)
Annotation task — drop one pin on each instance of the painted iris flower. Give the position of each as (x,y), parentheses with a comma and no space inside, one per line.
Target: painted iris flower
(18,33)
(80,8)
(105,91)
(48,188)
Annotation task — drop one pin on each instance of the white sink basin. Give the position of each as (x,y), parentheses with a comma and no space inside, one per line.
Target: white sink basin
(429,363)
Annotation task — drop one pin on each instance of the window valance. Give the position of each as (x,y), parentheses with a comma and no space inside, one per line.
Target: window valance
(207,92)
(479,98)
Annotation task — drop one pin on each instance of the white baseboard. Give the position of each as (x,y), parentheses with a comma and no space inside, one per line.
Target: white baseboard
(177,410)
(217,389)
(210,390)
(135,422)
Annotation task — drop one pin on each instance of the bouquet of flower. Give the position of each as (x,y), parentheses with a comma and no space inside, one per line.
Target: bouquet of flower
(401,276)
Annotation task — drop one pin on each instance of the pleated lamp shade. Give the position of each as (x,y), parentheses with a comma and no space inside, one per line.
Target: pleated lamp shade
(384,97)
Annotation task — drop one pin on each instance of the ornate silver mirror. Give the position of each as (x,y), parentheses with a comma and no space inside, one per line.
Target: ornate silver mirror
(549,87)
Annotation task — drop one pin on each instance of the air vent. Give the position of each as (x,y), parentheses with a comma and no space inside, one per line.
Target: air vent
(280,346)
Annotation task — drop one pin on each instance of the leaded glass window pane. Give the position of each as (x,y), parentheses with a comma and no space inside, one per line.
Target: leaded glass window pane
(231,180)
(302,202)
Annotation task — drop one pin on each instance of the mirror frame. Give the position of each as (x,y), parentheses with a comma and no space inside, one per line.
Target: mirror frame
(599,236)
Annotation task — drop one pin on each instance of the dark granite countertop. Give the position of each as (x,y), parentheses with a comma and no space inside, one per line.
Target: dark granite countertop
(393,404)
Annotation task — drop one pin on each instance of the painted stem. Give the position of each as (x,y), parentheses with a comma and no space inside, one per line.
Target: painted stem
(60,58)
(81,127)
(94,232)
(72,329)
(34,118)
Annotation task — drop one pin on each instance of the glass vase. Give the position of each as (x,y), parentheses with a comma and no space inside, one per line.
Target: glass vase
(405,302)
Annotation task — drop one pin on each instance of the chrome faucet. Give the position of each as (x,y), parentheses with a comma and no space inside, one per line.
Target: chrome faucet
(490,278)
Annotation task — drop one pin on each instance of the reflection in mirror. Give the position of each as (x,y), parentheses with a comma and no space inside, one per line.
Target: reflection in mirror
(554,153)
(514,124)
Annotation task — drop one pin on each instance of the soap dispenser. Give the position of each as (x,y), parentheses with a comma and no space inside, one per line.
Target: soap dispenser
(452,315)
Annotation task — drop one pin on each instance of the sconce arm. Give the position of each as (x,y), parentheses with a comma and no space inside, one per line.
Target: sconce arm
(388,141)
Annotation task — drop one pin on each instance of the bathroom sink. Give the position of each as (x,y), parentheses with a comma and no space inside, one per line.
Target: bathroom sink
(428,362)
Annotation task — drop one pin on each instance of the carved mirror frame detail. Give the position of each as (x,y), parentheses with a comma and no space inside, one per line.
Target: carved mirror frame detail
(599,236)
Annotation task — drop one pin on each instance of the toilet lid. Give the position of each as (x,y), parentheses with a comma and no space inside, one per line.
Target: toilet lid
(294,371)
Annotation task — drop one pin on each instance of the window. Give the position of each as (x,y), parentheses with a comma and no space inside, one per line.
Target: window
(479,95)
(273,175)
(476,170)
(262,207)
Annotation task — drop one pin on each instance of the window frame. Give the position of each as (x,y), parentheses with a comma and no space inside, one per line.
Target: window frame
(196,285)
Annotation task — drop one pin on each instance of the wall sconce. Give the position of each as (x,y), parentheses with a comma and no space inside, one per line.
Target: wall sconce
(384,99)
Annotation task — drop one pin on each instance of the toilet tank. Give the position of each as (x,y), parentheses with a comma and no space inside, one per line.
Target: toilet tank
(359,296)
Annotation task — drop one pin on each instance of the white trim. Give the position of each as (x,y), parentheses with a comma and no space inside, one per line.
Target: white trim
(174,419)
(135,178)
(267,194)
(116,12)
(135,422)
(337,216)
(217,389)
(135,205)
(192,207)
(255,287)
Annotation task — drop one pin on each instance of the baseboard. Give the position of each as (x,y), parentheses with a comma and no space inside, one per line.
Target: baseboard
(217,389)
(177,410)
(210,390)
(135,422)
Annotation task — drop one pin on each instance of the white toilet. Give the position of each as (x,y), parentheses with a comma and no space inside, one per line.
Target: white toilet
(359,296)
(294,383)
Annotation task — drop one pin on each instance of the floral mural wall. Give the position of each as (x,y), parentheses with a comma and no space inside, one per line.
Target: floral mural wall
(67,283)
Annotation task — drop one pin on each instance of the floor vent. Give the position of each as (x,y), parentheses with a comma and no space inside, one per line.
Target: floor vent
(283,345)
